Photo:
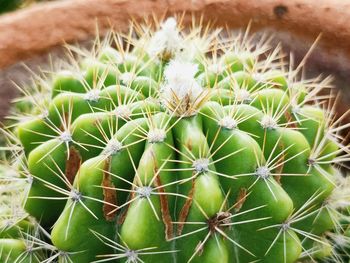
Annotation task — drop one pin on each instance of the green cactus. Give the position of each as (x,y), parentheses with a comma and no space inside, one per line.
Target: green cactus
(170,146)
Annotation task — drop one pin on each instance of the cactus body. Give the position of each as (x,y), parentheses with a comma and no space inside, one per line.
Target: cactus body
(178,149)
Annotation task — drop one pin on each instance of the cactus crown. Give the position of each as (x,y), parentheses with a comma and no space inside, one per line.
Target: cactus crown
(175,146)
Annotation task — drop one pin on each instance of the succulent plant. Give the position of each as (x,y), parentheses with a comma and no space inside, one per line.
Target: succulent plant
(169,145)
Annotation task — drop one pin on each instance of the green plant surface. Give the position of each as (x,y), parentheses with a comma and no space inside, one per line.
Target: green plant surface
(164,145)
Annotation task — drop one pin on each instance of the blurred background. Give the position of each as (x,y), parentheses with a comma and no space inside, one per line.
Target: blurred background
(11,5)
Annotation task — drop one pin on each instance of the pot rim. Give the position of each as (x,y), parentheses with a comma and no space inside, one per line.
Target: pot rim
(29,32)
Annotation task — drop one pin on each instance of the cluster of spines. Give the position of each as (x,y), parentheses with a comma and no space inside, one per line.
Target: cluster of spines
(106,146)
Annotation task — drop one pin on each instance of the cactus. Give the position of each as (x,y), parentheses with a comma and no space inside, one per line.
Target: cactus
(163,145)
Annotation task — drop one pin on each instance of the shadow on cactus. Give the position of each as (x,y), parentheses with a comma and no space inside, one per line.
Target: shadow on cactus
(162,145)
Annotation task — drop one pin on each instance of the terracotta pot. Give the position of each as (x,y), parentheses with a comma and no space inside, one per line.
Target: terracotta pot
(33,33)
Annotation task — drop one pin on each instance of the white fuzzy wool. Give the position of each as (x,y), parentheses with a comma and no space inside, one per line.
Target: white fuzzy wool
(228,123)
(92,95)
(193,47)
(268,122)
(216,68)
(127,78)
(243,95)
(166,40)
(180,81)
